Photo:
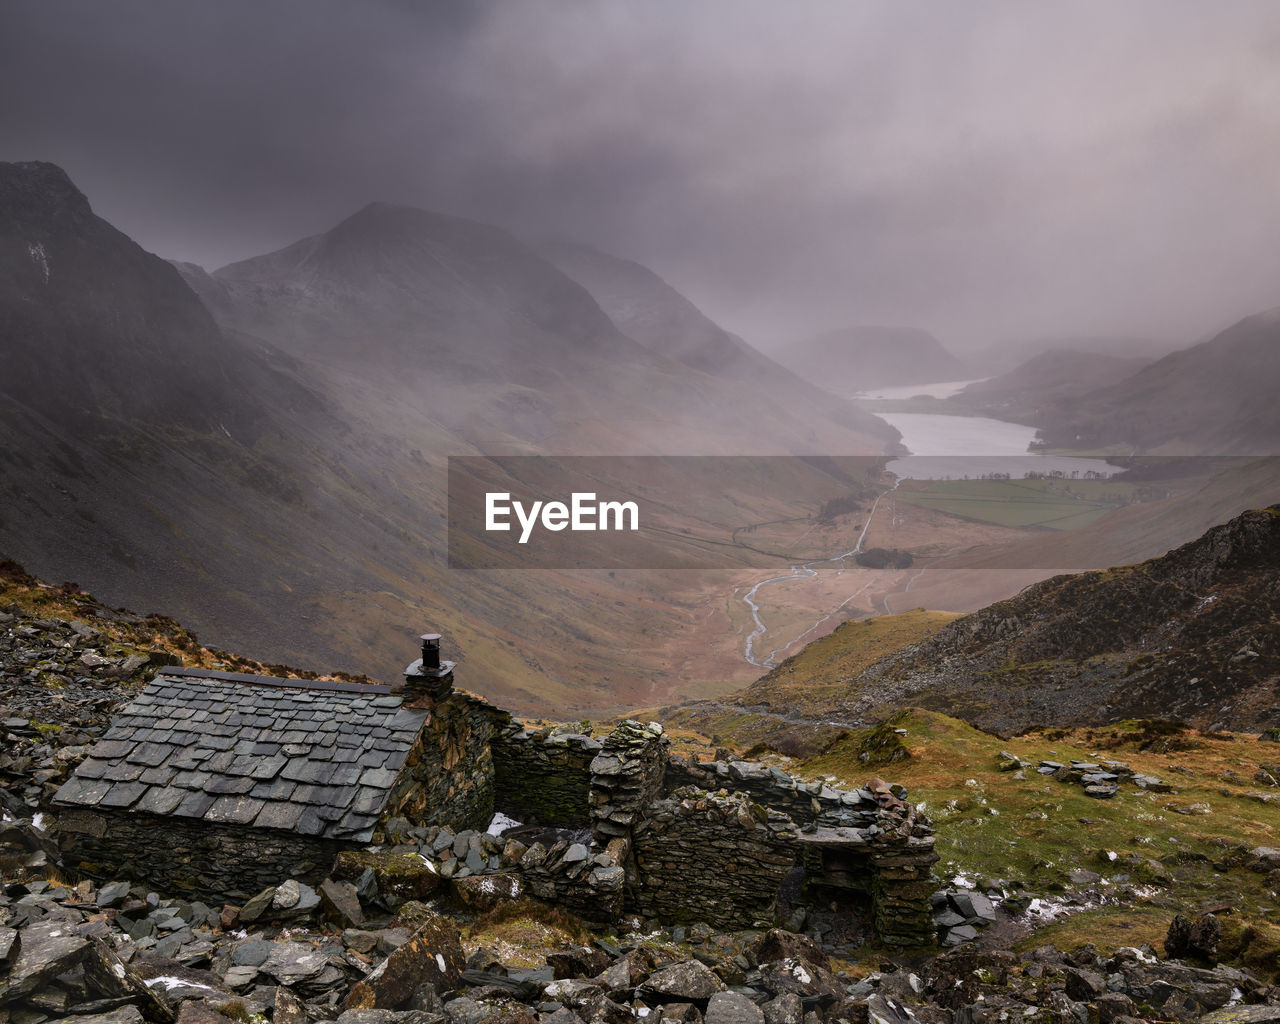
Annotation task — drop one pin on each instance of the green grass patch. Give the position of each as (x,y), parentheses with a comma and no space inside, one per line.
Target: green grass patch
(1051,504)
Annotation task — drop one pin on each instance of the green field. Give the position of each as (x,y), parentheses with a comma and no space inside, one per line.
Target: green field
(1053,504)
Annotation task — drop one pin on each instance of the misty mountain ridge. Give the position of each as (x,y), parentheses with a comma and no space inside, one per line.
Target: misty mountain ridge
(1216,397)
(1045,384)
(275,472)
(99,329)
(645,307)
(389,275)
(507,350)
(859,358)
(998,359)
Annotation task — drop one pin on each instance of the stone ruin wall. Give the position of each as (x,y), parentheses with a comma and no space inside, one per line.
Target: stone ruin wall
(702,857)
(668,843)
(449,775)
(543,777)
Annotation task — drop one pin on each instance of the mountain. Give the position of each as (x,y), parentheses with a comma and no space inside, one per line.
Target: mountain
(1217,397)
(859,358)
(645,307)
(994,360)
(509,350)
(97,328)
(1191,635)
(1036,391)
(263,450)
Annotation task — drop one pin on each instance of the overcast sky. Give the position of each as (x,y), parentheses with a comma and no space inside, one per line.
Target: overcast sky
(988,171)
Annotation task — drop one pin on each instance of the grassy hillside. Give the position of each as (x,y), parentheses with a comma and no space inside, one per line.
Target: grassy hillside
(1115,871)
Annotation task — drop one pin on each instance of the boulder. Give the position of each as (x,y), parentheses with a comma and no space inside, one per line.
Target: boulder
(777,944)
(123,1015)
(109,975)
(787,1008)
(46,949)
(432,957)
(401,875)
(1084,986)
(484,892)
(806,980)
(340,903)
(194,1011)
(573,992)
(1195,940)
(687,981)
(732,1008)
(579,962)
(1242,1015)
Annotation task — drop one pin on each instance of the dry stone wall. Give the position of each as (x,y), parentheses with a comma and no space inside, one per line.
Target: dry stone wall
(224,862)
(626,777)
(543,777)
(448,776)
(710,857)
(718,845)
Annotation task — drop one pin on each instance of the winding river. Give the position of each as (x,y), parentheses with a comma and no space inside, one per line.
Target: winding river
(941,448)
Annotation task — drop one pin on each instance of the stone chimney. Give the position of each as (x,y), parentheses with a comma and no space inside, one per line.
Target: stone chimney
(428,677)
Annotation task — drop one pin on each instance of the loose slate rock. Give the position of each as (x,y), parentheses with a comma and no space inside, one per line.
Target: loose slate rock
(111,976)
(732,1008)
(124,1015)
(688,981)
(341,903)
(194,1011)
(432,957)
(46,949)
(1242,1015)
(387,1017)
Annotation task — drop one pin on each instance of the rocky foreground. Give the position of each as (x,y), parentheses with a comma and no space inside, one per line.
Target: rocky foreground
(118,954)
(388,938)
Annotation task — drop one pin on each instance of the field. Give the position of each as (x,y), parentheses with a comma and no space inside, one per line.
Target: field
(1054,504)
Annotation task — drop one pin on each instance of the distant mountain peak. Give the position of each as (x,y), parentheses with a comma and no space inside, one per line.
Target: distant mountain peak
(33,191)
(868,355)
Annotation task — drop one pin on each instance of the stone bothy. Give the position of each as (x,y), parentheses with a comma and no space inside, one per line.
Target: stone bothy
(223,784)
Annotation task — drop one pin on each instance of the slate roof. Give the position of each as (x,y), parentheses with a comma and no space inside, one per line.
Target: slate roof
(272,755)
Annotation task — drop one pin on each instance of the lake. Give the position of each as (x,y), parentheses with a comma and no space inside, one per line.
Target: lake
(955,447)
(941,389)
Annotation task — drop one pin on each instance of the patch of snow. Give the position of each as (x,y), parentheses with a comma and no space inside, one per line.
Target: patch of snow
(800,974)
(1237,997)
(170,983)
(1050,910)
(962,880)
(39,820)
(39,257)
(501,823)
(441,964)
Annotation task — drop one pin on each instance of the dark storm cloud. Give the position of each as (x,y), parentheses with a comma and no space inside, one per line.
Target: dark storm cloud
(985,170)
